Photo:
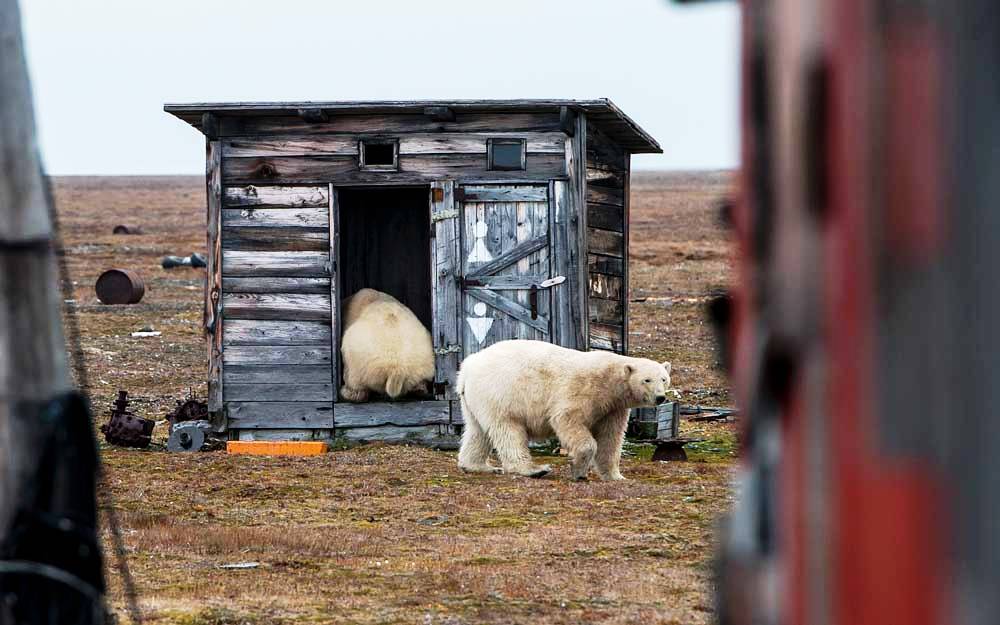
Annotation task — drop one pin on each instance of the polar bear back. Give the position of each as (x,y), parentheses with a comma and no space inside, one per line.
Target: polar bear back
(382,338)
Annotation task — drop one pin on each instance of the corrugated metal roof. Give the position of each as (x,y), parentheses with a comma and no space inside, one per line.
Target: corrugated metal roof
(601,112)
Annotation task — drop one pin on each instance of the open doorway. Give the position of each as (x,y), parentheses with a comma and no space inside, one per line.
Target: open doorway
(385,237)
(385,245)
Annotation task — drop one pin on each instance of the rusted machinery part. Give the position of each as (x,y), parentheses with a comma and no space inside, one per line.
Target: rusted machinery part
(190,409)
(125,428)
(188,436)
(120,286)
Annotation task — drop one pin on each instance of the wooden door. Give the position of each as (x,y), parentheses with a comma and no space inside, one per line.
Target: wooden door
(506,265)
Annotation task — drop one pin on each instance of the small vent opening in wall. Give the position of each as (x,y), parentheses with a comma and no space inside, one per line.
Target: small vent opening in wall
(379,154)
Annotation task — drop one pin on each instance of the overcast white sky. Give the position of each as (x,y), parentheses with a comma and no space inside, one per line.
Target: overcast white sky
(102,69)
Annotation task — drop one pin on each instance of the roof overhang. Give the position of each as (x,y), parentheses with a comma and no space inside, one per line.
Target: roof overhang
(602,112)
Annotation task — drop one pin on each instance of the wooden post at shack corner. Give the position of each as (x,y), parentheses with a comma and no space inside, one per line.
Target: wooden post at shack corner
(46,441)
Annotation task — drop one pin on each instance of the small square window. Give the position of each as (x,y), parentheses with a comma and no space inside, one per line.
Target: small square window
(505,154)
(379,154)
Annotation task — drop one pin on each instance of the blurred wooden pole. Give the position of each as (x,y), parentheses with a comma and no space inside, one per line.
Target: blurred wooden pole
(33,363)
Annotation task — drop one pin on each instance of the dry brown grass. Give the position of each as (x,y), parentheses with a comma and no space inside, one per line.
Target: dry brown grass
(384,534)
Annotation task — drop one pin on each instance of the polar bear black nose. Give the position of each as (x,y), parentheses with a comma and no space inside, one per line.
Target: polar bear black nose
(661,398)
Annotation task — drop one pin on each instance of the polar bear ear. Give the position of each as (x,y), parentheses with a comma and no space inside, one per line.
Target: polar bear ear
(666,365)
(628,369)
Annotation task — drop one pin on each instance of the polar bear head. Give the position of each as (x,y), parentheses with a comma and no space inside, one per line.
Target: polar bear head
(648,381)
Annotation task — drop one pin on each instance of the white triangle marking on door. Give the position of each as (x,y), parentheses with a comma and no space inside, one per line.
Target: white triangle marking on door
(479,252)
(480,327)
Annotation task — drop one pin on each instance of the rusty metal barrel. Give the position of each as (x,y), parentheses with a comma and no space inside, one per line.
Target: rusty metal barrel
(120,286)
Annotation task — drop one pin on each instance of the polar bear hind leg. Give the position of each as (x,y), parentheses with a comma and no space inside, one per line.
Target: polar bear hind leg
(511,442)
(474,454)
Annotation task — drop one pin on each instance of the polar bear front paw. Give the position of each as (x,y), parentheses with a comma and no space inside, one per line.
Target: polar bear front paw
(614,477)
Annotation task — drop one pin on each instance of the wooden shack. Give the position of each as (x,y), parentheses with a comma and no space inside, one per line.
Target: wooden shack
(491,220)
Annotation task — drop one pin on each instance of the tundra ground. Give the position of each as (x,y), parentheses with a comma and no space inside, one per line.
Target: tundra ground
(383,534)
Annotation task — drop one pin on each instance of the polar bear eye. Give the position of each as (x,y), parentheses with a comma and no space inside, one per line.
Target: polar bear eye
(647,381)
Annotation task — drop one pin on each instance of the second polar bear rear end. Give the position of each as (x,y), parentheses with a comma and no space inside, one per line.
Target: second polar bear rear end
(385,348)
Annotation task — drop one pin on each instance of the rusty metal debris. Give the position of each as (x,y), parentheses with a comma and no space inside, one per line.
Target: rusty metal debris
(125,428)
(190,427)
(189,436)
(120,286)
(190,409)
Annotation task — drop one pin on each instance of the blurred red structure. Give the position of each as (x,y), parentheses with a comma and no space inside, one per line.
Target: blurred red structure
(863,330)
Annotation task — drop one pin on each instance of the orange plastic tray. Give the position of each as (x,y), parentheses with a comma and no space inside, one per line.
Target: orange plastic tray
(276,448)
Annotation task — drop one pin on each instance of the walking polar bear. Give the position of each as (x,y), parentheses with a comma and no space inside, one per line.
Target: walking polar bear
(514,391)
(385,348)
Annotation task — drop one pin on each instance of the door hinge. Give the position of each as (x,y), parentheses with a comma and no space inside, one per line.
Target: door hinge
(442,215)
(448,349)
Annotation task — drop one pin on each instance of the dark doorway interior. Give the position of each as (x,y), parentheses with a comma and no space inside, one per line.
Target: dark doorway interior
(385,245)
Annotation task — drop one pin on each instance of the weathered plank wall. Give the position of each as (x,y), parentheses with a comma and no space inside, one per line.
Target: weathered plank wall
(278,268)
(607,242)
(289,150)
(278,371)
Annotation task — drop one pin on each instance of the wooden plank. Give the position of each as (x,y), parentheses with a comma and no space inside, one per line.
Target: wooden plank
(282,435)
(446,293)
(475,143)
(510,257)
(286,306)
(345,170)
(511,308)
(500,193)
(606,336)
(336,318)
(232,126)
(606,311)
(625,283)
(606,217)
(275,239)
(605,286)
(347,144)
(259,392)
(277,374)
(605,264)
(212,317)
(605,177)
(576,160)
(509,282)
(276,264)
(400,414)
(605,242)
(603,152)
(276,415)
(605,195)
(561,229)
(276,355)
(290,145)
(253,332)
(429,435)
(275,197)
(276,285)
(305,218)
